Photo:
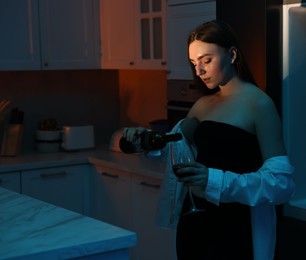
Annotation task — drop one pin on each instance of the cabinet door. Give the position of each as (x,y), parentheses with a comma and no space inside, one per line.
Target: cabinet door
(185,17)
(151,33)
(10,181)
(118,34)
(133,34)
(68,34)
(111,196)
(19,30)
(61,186)
(153,242)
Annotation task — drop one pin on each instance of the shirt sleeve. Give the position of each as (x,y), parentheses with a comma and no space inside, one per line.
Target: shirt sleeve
(272,183)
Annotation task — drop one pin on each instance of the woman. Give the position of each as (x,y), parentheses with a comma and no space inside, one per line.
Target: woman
(241,169)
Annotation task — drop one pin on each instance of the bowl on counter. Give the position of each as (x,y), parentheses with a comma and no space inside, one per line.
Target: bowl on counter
(48,141)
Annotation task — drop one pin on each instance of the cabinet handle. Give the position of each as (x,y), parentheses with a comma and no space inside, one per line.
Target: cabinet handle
(52,175)
(163,63)
(150,185)
(131,63)
(106,174)
(0,181)
(46,64)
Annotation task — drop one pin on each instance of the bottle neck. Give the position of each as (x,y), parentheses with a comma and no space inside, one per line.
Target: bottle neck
(156,140)
(173,137)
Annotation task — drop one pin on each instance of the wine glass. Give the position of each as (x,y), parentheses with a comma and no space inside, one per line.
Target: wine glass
(180,159)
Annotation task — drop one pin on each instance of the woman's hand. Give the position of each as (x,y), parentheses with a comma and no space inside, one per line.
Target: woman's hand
(130,132)
(197,179)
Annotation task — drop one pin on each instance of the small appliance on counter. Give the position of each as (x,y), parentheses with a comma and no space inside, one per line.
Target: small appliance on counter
(114,142)
(78,137)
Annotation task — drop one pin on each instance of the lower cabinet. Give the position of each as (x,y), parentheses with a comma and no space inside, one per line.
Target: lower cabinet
(153,241)
(111,200)
(62,186)
(10,181)
(129,200)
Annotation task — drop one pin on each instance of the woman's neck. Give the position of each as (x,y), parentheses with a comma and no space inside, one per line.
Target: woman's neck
(233,85)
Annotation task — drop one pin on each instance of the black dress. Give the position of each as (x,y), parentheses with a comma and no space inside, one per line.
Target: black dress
(224,231)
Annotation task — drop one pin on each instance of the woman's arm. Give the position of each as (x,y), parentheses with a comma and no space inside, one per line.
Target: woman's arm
(272,184)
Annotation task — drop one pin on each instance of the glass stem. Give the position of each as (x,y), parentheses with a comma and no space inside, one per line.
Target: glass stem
(191,199)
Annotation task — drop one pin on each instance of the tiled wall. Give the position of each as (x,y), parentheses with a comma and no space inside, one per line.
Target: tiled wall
(143,96)
(108,99)
(72,97)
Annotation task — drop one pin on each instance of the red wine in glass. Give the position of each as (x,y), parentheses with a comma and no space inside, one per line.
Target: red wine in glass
(180,160)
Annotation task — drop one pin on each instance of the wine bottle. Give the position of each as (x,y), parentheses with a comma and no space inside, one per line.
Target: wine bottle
(148,141)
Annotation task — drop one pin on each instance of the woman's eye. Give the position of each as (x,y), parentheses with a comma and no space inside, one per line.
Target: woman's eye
(207,61)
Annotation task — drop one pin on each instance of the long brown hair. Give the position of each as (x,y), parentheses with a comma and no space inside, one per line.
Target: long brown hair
(222,34)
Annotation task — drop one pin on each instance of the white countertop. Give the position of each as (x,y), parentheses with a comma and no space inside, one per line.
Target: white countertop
(129,162)
(33,229)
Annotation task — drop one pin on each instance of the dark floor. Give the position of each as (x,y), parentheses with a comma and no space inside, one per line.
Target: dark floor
(291,239)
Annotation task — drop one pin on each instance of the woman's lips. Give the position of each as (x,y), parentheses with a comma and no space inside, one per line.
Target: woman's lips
(206,80)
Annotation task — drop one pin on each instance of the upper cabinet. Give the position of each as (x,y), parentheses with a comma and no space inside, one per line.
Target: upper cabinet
(182,17)
(69,34)
(49,34)
(19,30)
(133,34)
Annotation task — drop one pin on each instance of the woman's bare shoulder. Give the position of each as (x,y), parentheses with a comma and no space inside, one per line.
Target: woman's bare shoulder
(258,97)
(200,106)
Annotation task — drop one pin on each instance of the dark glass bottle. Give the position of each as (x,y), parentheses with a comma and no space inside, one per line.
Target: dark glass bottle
(148,141)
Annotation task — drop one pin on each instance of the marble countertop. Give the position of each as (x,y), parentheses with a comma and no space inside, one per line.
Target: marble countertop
(33,229)
(101,155)
(133,163)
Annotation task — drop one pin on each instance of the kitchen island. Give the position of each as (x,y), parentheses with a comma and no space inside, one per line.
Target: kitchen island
(33,229)
(109,186)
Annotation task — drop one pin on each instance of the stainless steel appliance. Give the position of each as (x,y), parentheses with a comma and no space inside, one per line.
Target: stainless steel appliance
(181,95)
(258,28)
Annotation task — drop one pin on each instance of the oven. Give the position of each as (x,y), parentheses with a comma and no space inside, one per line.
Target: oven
(181,95)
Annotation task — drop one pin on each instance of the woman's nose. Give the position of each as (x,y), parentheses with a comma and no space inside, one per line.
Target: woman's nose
(199,70)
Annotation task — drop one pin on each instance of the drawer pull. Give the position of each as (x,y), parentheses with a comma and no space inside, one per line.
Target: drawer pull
(150,185)
(52,175)
(106,174)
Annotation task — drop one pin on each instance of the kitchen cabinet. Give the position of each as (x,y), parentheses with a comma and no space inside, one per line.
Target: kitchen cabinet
(49,34)
(185,16)
(62,186)
(111,200)
(160,243)
(133,34)
(10,181)
(129,200)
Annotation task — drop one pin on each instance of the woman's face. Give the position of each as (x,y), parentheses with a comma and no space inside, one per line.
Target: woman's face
(213,64)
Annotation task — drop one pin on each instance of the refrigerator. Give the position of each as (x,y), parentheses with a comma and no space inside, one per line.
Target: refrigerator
(294,101)
(272,34)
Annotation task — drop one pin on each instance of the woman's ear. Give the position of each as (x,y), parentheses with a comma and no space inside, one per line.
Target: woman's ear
(233,54)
